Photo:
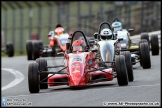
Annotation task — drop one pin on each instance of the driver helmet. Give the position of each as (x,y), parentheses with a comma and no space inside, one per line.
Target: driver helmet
(78,45)
(106,34)
(116,26)
(59,31)
(51,33)
(59,25)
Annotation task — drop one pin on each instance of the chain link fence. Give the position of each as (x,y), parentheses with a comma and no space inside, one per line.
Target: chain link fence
(21,21)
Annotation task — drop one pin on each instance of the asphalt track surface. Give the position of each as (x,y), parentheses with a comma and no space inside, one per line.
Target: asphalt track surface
(146,87)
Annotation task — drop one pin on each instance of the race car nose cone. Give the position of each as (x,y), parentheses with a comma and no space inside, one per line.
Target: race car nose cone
(76,78)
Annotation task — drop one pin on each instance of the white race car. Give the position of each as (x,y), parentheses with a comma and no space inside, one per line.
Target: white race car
(109,47)
(139,52)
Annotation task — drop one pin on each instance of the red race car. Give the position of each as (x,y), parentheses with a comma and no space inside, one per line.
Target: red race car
(57,43)
(81,68)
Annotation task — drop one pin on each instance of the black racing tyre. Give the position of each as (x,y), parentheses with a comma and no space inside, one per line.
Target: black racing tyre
(29,49)
(128,62)
(36,49)
(10,49)
(145,56)
(33,78)
(141,41)
(121,70)
(154,44)
(40,46)
(42,66)
(40,43)
(145,36)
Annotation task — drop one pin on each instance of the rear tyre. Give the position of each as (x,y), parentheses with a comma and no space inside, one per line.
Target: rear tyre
(42,66)
(128,62)
(145,55)
(40,43)
(29,49)
(145,36)
(10,49)
(36,49)
(154,45)
(121,70)
(33,78)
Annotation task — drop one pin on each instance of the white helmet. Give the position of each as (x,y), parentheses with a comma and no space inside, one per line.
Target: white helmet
(106,34)
(51,33)
(117,26)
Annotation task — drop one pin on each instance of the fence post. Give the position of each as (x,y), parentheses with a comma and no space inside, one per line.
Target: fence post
(59,11)
(90,14)
(141,25)
(21,27)
(30,19)
(102,12)
(128,12)
(13,22)
(21,31)
(39,19)
(67,14)
(78,14)
(157,14)
(50,16)
(5,25)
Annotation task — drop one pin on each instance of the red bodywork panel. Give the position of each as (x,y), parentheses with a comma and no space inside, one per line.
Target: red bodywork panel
(79,64)
(51,44)
(55,39)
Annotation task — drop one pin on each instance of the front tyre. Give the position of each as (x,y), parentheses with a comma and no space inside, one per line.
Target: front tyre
(42,66)
(128,62)
(10,49)
(121,70)
(141,41)
(145,36)
(145,55)
(33,78)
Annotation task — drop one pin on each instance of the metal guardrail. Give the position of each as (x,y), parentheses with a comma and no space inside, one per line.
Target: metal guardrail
(137,37)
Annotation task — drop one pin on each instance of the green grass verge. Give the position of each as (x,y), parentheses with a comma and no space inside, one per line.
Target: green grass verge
(16,54)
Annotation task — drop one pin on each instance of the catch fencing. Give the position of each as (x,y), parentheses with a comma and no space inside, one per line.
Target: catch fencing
(23,20)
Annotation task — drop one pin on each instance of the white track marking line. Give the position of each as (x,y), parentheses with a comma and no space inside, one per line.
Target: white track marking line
(45,93)
(18,78)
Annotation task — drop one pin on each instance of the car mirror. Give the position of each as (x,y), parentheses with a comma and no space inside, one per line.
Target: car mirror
(51,33)
(130,30)
(67,46)
(60,53)
(91,42)
(115,34)
(69,38)
(95,35)
(120,39)
(94,50)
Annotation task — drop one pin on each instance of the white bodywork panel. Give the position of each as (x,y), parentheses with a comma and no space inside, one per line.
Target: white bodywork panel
(106,48)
